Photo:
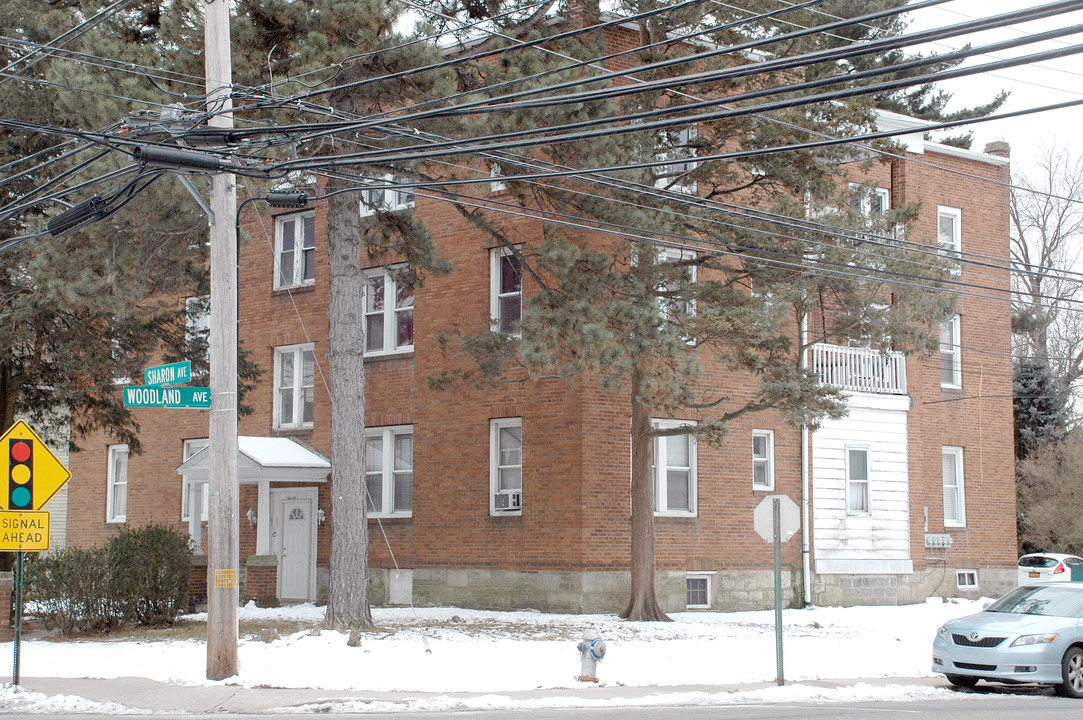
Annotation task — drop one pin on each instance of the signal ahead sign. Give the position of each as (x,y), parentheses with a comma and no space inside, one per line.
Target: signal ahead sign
(174,397)
(32,472)
(24,531)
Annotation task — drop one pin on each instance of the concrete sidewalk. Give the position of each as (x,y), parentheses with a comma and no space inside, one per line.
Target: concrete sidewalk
(142,694)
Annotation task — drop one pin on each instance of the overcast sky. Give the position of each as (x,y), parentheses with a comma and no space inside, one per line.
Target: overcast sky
(1030,86)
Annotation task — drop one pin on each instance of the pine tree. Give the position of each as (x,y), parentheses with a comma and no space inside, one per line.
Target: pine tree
(693,273)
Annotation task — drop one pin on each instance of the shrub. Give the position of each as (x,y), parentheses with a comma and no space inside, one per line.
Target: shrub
(150,571)
(69,591)
(140,577)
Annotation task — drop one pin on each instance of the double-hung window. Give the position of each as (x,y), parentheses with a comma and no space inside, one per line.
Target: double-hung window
(951,366)
(295,375)
(384,194)
(116,495)
(949,234)
(676,147)
(506,466)
(506,290)
(869,201)
(763,460)
(857,481)
(191,447)
(389,470)
(674,470)
(677,306)
(295,251)
(389,314)
(954,500)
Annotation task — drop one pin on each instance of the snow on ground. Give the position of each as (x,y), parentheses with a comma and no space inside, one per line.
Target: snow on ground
(451,650)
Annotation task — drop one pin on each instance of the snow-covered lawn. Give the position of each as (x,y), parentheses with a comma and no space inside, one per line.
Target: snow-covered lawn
(456,650)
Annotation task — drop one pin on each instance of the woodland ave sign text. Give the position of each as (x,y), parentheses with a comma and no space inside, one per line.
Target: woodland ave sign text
(175,397)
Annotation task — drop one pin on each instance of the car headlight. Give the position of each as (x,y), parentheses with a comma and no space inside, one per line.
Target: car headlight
(942,633)
(1034,639)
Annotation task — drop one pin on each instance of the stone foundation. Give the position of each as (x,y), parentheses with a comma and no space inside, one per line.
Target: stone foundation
(608,592)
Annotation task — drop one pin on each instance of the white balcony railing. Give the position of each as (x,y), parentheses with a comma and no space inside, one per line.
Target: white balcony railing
(859,369)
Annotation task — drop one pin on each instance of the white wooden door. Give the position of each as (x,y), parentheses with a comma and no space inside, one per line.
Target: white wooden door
(295,551)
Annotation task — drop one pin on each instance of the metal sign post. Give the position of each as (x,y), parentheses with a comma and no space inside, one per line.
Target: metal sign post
(18,614)
(776,519)
(780,676)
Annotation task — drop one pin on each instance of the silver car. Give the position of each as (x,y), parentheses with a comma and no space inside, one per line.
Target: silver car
(1034,634)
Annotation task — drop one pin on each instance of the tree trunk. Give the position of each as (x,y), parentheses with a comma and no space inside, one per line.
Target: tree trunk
(643,605)
(348,601)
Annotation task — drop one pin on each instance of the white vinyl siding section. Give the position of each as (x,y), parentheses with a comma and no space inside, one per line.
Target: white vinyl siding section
(877,540)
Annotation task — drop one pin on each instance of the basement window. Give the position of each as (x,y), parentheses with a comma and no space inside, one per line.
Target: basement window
(698,588)
(967,579)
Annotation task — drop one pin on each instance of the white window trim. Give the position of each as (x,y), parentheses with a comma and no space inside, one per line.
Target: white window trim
(111,483)
(687,136)
(298,251)
(495,256)
(867,193)
(191,447)
(298,387)
(388,435)
(496,184)
(391,197)
(706,575)
(957,356)
(494,465)
(868,480)
(960,487)
(769,459)
(955,249)
(661,508)
(389,313)
(963,573)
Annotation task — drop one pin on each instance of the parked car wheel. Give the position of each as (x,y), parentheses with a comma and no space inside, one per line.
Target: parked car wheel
(965,681)
(1071,669)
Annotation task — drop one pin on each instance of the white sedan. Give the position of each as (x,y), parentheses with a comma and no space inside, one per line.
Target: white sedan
(1045,567)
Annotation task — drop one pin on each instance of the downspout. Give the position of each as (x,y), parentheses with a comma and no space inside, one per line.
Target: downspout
(806,564)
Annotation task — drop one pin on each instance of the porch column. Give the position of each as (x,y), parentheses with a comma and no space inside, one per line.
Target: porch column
(263,521)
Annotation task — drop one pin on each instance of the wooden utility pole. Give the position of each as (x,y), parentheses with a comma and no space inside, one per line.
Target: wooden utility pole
(222,553)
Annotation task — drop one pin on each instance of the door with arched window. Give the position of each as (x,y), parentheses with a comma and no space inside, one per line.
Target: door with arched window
(296,561)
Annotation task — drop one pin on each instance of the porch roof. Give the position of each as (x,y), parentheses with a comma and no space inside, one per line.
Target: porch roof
(265,458)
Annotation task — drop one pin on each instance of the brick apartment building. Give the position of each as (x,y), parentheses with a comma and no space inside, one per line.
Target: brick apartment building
(519,497)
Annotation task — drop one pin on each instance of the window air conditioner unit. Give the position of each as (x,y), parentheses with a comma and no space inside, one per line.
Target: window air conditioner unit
(509,501)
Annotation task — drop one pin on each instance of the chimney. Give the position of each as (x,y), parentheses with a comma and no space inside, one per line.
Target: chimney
(999,147)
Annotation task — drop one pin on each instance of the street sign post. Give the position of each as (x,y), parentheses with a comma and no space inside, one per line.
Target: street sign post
(776,519)
(34,475)
(171,374)
(198,398)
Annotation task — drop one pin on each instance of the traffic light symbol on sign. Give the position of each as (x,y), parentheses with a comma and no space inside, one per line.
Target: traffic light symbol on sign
(20,473)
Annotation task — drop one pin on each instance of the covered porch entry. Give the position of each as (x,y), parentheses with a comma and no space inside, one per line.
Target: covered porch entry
(283,516)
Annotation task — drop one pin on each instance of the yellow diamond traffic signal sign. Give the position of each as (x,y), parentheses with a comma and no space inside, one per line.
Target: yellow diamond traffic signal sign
(32,474)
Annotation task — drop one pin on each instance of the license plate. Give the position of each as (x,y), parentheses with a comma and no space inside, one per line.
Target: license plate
(1035,574)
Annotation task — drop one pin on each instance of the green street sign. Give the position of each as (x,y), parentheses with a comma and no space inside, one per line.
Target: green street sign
(198,398)
(172,374)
